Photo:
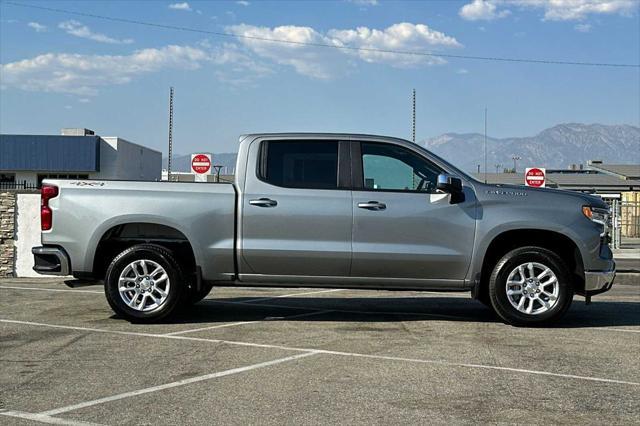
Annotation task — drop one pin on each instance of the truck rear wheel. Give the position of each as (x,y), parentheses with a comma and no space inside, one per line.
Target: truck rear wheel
(144,283)
(530,286)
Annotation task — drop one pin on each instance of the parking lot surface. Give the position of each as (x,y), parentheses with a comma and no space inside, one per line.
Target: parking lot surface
(309,356)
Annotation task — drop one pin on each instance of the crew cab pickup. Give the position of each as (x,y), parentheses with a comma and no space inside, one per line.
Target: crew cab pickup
(328,210)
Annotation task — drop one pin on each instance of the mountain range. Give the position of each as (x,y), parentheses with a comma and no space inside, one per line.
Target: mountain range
(557,147)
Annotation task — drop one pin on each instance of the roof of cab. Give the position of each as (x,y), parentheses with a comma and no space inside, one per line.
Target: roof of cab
(312,135)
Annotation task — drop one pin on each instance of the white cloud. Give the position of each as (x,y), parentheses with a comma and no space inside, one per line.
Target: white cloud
(569,10)
(243,3)
(84,74)
(554,10)
(462,71)
(240,63)
(77,29)
(482,10)
(39,28)
(237,67)
(583,28)
(305,60)
(84,100)
(402,37)
(324,63)
(364,2)
(181,6)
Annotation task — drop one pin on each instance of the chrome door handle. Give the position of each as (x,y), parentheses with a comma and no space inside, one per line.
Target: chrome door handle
(372,205)
(263,202)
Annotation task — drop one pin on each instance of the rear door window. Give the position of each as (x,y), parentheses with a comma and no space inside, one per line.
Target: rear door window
(301,164)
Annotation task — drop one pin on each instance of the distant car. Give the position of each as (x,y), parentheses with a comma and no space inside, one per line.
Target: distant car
(328,210)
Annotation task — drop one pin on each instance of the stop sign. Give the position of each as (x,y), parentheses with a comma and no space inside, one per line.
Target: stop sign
(201,163)
(535,176)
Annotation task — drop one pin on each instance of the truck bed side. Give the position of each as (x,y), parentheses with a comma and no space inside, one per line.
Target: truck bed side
(85,212)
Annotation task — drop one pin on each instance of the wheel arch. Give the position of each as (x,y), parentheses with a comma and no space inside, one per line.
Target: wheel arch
(558,243)
(121,235)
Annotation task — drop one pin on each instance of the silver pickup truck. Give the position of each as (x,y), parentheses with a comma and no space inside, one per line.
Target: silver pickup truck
(328,210)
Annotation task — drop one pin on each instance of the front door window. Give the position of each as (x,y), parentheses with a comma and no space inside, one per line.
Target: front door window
(392,168)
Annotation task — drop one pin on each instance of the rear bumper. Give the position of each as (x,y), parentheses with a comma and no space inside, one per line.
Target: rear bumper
(599,281)
(50,261)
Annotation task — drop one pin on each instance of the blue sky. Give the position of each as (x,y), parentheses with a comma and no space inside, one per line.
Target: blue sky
(60,70)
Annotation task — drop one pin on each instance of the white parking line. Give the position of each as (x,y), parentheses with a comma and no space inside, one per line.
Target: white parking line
(295,294)
(623,330)
(164,336)
(50,289)
(102,292)
(175,384)
(340,353)
(233,324)
(42,418)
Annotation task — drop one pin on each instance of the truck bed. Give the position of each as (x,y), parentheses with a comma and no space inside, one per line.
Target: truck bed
(203,213)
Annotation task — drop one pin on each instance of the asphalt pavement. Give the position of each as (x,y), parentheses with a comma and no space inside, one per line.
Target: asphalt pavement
(313,356)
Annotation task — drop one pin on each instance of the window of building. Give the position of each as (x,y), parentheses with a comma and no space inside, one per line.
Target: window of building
(7,177)
(393,168)
(296,164)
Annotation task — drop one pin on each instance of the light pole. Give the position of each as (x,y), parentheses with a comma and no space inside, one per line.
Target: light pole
(170,134)
(515,159)
(413,121)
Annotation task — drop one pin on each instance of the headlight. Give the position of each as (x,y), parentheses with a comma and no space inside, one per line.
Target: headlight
(597,215)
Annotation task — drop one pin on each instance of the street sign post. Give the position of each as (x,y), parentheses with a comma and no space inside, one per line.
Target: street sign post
(535,177)
(201,166)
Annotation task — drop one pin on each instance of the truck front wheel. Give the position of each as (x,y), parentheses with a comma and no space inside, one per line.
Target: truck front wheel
(144,283)
(530,286)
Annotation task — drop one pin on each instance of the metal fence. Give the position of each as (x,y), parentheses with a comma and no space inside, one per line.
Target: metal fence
(13,186)
(625,219)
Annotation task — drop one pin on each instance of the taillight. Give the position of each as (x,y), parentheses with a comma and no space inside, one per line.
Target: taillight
(46,215)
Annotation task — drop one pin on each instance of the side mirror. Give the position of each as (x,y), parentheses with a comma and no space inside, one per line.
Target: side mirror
(451,185)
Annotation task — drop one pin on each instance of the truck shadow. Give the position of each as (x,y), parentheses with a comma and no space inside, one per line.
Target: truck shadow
(391,309)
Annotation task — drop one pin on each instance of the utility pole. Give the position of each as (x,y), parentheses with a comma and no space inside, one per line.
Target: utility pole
(170,134)
(485,144)
(515,159)
(413,133)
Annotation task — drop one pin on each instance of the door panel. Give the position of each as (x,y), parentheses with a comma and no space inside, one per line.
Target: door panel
(415,236)
(417,233)
(288,229)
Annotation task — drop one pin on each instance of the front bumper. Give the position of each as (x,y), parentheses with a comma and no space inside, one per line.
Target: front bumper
(50,260)
(599,281)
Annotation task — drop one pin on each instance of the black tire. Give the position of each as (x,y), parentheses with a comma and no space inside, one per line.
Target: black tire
(195,296)
(176,294)
(498,287)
